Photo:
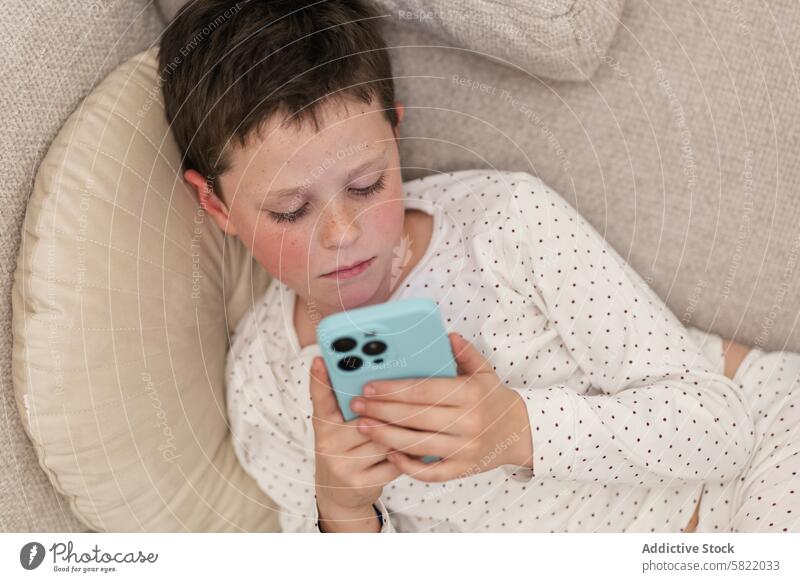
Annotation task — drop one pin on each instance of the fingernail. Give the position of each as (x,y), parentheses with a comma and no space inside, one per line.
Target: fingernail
(358,405)
(363,426)
(369,390)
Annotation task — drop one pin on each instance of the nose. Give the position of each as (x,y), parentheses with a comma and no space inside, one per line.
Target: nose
(339,228)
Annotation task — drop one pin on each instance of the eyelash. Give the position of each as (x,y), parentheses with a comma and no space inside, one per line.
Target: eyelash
(365,192)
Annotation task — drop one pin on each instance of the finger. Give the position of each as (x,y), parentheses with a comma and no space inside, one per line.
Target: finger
(443,470)
(360,455)
(416,416)
(323,400)
(469,359)
(382,473)
(410,441)
(369,453)
(339,437)
(432,391)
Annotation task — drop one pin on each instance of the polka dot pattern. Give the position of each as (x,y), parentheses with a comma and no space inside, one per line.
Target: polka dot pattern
(766,496)
(629,418)
(662,412)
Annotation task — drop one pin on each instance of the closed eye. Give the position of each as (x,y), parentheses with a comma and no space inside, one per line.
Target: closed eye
(289,216)
(371,189)
(376,186)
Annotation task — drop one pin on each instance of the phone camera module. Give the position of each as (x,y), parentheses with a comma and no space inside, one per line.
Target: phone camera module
(374,348)
(343,344)
(350,363)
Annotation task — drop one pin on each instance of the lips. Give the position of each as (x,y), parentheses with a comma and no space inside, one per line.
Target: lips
(348,267)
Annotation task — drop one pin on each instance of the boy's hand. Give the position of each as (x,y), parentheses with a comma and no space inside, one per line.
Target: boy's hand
(472,421)
(351,470)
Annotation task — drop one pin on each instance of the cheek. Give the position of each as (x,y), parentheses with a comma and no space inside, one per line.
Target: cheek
(282,253)
(386,221)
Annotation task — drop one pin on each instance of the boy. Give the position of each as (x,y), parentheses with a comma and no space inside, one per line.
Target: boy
(287,117)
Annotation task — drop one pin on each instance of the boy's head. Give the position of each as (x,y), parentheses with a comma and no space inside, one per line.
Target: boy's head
(285,114)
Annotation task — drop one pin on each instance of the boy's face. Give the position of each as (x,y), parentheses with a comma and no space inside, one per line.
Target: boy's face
(307,203)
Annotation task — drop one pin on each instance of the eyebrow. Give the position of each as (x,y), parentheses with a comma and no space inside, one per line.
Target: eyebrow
(275,195)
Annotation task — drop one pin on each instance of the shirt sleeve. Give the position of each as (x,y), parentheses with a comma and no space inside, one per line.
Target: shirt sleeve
(273,448)
(658,411)
(381,513)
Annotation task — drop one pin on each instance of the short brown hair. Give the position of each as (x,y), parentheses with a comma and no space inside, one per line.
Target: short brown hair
(225,67)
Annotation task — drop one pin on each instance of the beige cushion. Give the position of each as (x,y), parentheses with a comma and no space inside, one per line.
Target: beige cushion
(124,297)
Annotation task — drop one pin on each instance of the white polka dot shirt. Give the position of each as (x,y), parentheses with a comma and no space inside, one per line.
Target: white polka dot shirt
(628,418)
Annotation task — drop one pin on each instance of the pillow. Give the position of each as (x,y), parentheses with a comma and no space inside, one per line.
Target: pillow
(562,40)
(124,299)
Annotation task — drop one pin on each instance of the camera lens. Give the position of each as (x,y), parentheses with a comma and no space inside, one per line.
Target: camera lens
(343,344)
(350,363)
(374,348)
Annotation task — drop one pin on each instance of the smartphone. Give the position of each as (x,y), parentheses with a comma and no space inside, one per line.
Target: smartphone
(398,339)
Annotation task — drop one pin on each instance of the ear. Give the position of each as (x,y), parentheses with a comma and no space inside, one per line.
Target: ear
(209,201)
(401,111)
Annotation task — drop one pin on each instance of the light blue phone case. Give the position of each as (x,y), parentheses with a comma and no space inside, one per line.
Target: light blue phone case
(405,338)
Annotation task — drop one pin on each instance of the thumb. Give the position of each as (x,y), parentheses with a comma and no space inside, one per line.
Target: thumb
(323,399)
(469,359)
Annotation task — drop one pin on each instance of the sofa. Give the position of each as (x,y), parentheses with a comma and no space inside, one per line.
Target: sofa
(672,127)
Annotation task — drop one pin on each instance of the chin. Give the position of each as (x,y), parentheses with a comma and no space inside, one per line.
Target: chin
(352,294)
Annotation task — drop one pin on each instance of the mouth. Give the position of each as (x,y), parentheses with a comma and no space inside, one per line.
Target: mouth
(350,271)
